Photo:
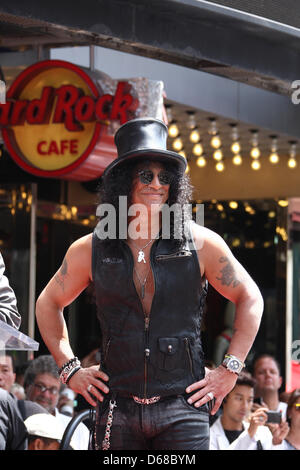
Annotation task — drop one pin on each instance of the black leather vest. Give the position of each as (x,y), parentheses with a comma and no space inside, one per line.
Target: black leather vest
(166,357)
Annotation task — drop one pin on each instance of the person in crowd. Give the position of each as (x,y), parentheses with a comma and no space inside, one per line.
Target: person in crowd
(13,433)
(8,304)
(20,370)
(292,440)
(42,385)
(45,432)
(7,374)
(266,372)
(239,429)
(18,391)
(151,350)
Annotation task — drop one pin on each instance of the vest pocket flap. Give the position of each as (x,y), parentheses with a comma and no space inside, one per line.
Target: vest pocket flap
(168,346)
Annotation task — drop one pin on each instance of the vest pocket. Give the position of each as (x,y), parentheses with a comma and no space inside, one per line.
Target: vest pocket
(168,353)
(175,353)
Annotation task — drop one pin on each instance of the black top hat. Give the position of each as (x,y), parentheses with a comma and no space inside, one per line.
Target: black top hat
(144,137)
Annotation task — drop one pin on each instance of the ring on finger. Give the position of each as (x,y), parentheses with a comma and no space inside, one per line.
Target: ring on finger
(210,395)
(89,387)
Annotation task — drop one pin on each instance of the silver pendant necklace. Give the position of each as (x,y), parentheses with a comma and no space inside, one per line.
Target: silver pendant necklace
(141,254)
(142,283)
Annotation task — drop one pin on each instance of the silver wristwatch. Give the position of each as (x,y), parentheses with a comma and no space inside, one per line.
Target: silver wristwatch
(233,364)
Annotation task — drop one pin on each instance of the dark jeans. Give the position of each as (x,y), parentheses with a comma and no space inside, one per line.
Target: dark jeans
(169,424)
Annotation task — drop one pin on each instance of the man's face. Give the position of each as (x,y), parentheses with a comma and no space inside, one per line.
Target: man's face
(153,193)
(239,403)
(266,374)
(7,375)
(41,444)
(44,391)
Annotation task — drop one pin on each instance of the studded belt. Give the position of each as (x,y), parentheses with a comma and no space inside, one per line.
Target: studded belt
(146,401)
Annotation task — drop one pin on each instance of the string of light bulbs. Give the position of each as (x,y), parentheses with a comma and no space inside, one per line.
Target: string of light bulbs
(216,149)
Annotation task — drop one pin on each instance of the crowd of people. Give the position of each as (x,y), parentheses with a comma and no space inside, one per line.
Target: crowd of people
(253,415)
(37,407)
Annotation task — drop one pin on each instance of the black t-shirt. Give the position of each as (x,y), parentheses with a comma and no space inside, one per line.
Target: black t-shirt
(232,435)
(13,432)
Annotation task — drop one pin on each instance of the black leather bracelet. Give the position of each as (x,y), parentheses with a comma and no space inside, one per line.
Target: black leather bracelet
(73,371)
(74,359)
(68,369)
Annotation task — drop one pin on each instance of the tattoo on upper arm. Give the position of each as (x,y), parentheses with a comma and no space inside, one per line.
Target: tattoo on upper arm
(59,277)
(64,267)
(228,276)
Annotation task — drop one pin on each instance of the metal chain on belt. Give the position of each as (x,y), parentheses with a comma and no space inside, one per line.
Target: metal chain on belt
(106,440)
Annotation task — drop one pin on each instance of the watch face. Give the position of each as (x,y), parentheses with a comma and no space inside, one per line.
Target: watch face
(233,364)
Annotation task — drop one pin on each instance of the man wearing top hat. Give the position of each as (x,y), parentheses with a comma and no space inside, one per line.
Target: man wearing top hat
(151,390)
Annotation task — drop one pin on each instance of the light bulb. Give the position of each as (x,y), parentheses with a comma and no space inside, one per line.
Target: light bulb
(237,160)
(292,163)
(201,162)
(215,142)
(74,211)
(182,153)
(177,144)
(255,152)
(218,155)
(255,165)
(198,149)
(235,147)
(283,202)
(195,136)
(173,130)
(233,205)
(220,166)
(187,170)
(274,158)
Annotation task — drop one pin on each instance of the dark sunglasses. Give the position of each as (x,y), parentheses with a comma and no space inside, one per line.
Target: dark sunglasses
(146,176)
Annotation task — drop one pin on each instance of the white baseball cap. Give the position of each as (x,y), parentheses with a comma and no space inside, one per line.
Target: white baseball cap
(44,425)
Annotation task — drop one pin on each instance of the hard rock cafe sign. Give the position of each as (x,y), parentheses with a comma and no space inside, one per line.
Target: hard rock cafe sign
(54,113)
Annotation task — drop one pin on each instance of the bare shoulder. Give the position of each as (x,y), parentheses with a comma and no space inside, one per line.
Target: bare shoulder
(79,255)
(82,243)
(205,238)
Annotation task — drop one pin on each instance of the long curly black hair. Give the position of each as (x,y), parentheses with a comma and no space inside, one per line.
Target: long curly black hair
(119,182)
